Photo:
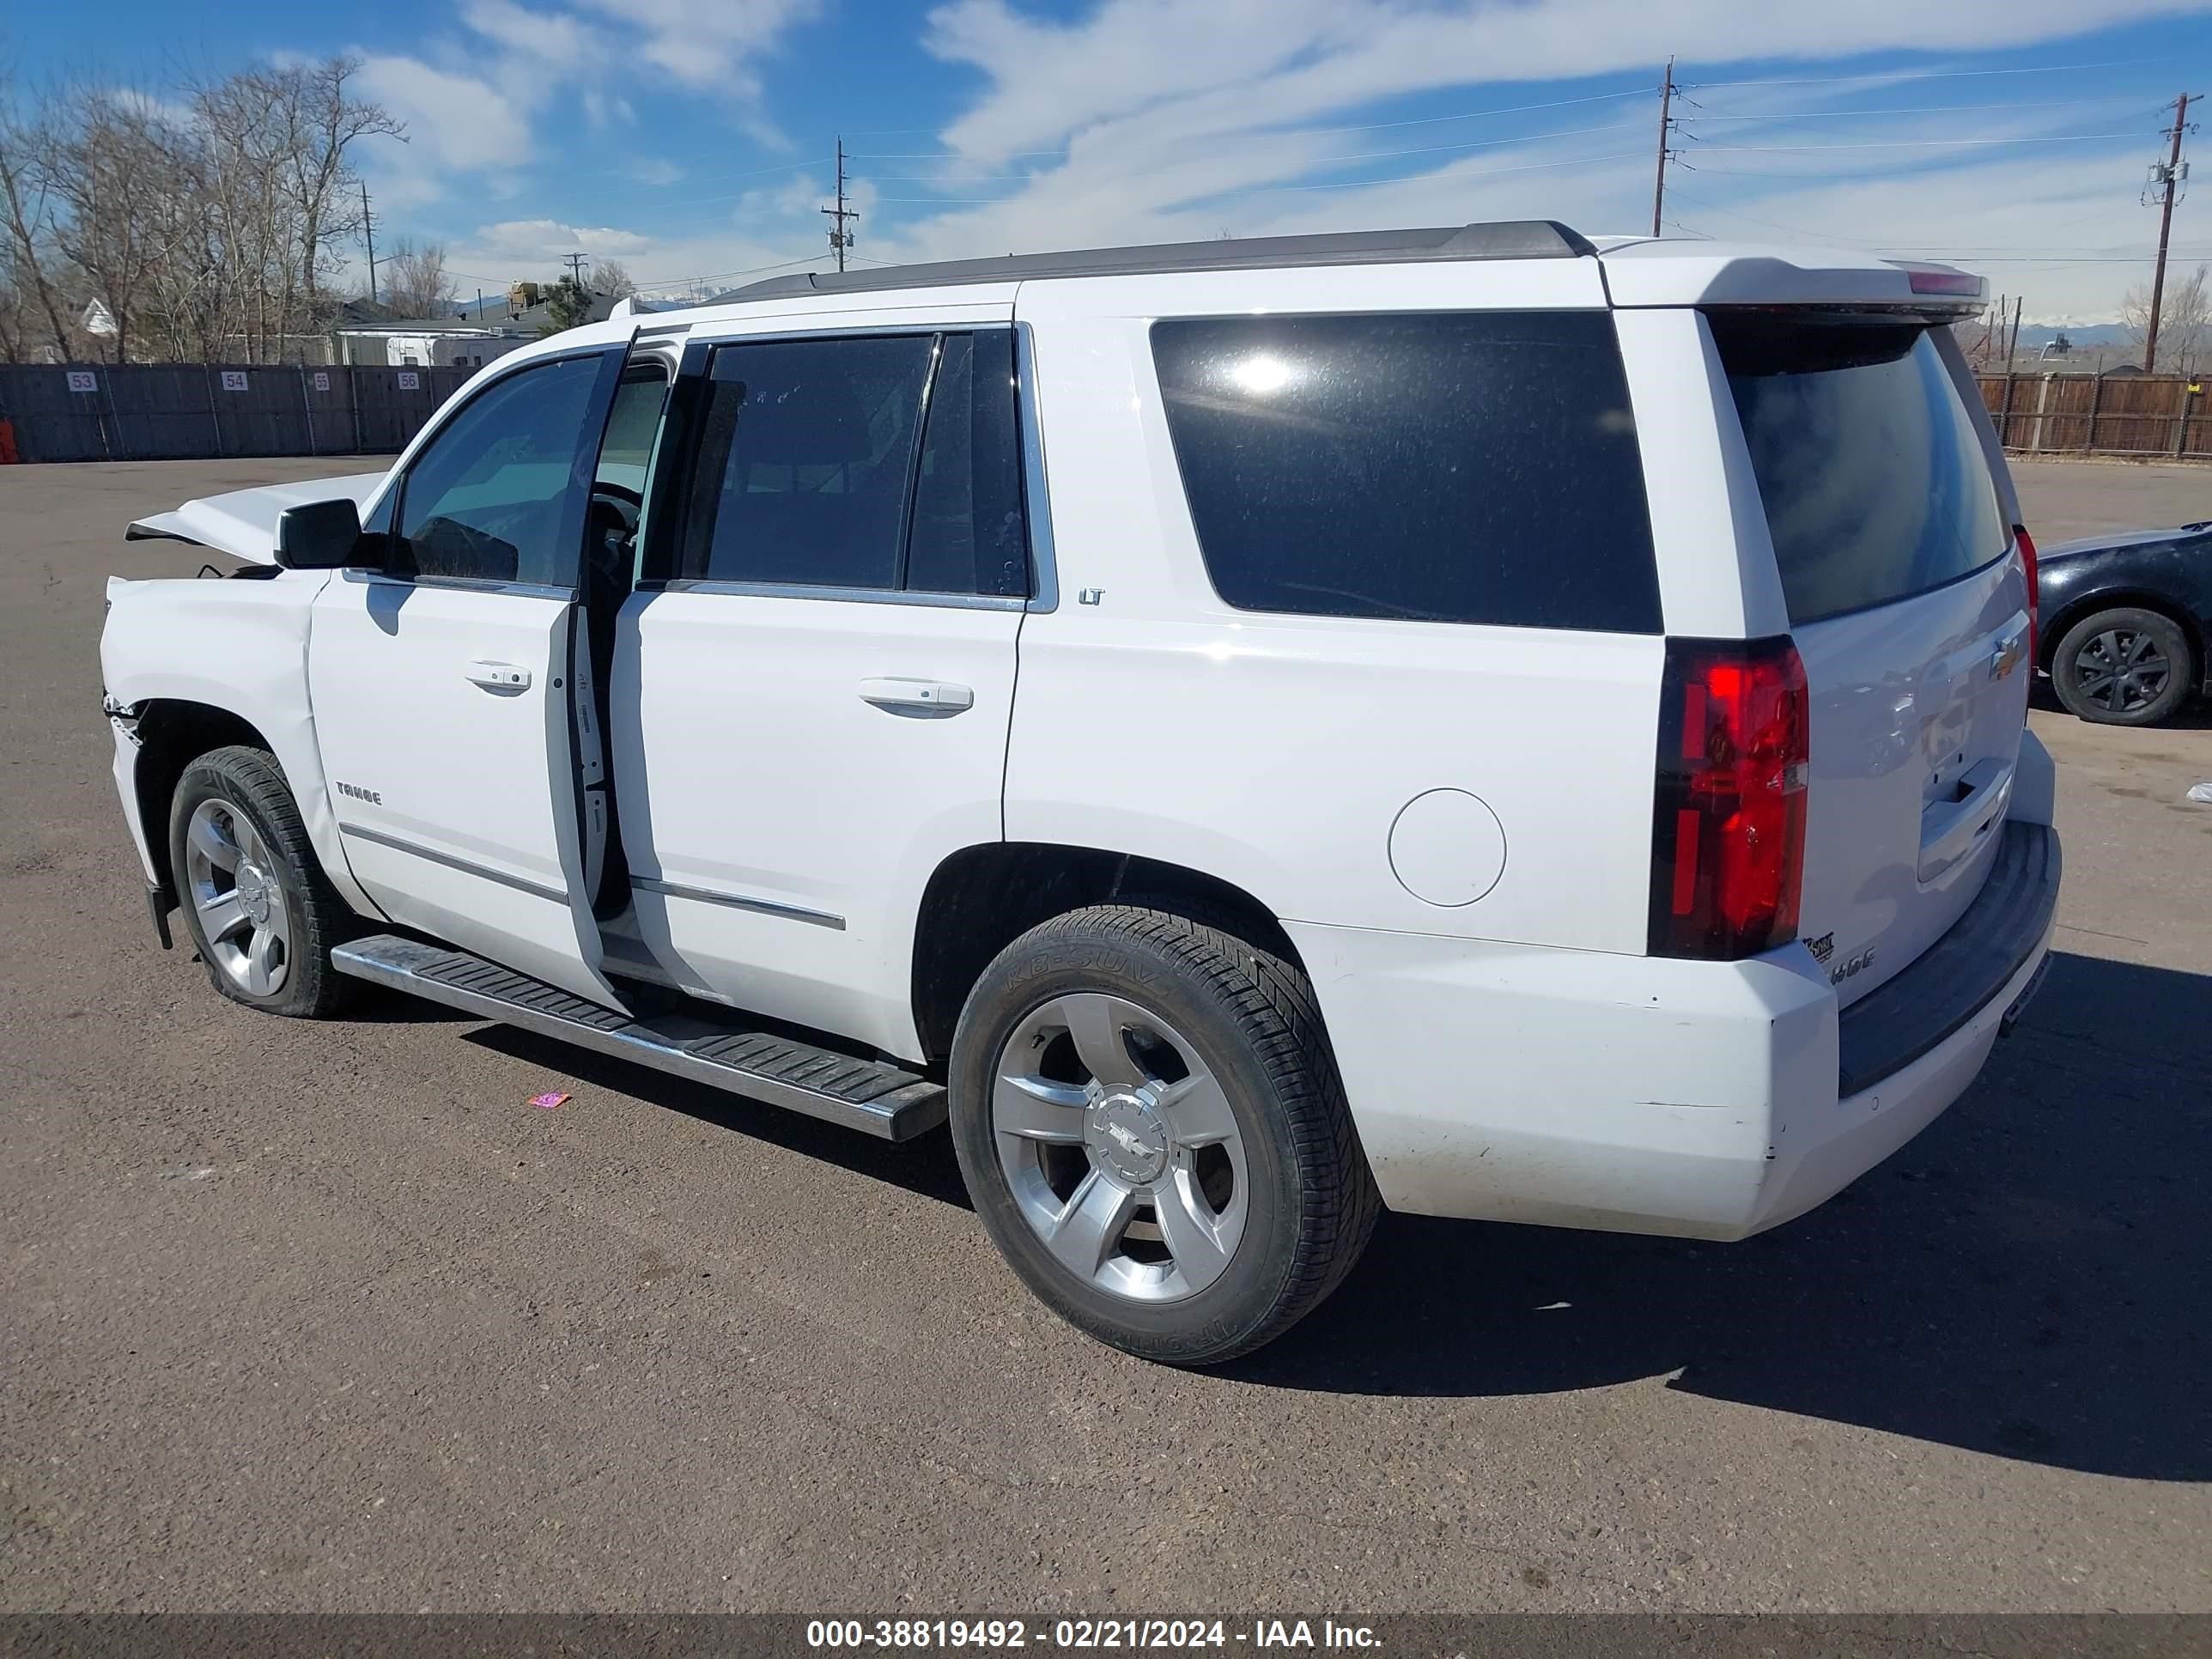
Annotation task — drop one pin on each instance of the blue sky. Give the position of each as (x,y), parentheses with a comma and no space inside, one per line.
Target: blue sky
(691,138)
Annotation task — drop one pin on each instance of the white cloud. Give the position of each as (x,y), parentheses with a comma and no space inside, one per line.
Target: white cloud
(536,240)
(1248,62)
(706,42)
(474,103)
(460,121)
(1150,120)
(563,43)
(1156,119)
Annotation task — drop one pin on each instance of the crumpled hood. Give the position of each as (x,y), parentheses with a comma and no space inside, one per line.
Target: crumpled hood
(243,523)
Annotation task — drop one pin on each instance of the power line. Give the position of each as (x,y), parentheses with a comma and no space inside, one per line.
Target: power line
(1269,189)
(1594,98)
(1923,144)
(2013,254)
(1924,75)
(1356,184)
(723,276)
(1293,132)
(636,183)
(1318,162)
(1914,109)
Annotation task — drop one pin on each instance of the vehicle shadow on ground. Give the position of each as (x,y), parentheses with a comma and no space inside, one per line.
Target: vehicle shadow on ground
(924,1166)
(378,1006)
(2031,1278)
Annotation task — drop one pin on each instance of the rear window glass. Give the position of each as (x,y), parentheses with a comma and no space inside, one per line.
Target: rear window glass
(1464,467)
(1875,484)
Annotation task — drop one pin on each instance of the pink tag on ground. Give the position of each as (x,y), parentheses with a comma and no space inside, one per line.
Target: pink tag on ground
(548,1102)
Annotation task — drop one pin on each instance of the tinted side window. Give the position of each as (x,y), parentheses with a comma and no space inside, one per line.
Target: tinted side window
(1465,467)
(490,496)
(806,452)
(968,534)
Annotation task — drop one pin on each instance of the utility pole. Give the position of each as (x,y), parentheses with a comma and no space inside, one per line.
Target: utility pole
(1666,123)
(839,238)
(369,230)
(2164,178)
(575,263)
(2012,350)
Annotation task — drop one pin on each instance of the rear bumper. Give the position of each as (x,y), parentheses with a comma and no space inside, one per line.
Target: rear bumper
(1637,1094)
(1956,977)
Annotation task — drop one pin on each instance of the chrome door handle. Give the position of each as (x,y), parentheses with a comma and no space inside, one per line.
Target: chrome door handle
(931,698)
(498,676)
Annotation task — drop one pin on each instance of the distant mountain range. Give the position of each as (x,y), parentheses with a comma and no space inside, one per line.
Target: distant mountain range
(2039,335)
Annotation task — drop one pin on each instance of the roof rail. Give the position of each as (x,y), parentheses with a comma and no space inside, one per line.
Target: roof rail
(1512,238)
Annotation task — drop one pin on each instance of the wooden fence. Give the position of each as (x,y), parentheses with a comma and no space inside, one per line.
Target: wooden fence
(2140,414)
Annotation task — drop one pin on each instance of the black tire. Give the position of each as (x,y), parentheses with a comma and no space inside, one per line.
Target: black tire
(1311,1200)
(2076,667)
(250,784)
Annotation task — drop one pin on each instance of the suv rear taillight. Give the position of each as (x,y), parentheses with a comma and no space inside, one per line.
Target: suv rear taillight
(2026,542)
(1727,834)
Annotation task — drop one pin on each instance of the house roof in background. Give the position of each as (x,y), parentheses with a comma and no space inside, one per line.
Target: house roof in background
(451,325)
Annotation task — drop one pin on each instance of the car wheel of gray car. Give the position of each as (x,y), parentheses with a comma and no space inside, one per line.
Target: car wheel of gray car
(1153,1131)
(260,911)
(2123,667)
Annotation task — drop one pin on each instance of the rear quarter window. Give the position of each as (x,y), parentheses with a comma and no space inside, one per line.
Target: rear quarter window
(1462,467)
(1873,474)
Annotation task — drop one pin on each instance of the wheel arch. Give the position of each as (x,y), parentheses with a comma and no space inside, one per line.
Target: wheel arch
(2062,623)
(173,731)
(981,898)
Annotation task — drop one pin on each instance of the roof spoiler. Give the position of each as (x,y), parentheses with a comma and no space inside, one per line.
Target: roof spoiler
(1516,238)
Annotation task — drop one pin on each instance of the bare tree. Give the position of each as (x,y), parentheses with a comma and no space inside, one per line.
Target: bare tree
(113,173)
(326,122)
(415,280)
(2185,321)
(611,277)
(208,226)
(28,256)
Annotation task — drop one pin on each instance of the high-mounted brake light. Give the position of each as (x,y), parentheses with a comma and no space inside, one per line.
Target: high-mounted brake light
(1727,831)
(1937,279)
(2025,544)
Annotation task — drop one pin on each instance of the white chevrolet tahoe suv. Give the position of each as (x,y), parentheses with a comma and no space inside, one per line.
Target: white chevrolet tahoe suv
(1470,721)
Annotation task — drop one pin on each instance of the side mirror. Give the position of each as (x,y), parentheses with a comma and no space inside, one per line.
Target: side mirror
(320,536)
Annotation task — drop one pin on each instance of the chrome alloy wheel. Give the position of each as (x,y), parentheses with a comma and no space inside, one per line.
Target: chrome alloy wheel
(232,882)
(1120,1147)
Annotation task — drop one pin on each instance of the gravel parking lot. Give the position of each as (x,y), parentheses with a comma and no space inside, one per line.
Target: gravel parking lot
(304,1316)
